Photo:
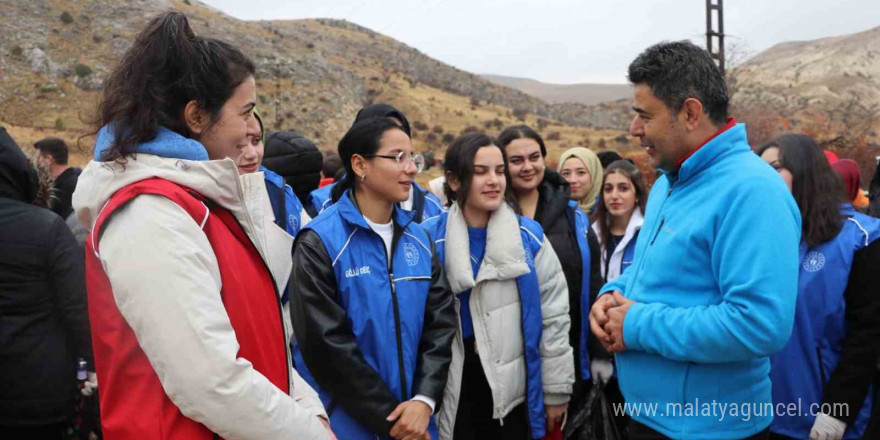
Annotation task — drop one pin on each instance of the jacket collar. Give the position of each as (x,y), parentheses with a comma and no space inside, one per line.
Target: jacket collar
(166,144)
(505,254)
(272,177)
(730,141)
(351,213)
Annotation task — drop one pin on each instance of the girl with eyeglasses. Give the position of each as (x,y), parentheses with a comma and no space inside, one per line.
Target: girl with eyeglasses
(421,202)
(373,315)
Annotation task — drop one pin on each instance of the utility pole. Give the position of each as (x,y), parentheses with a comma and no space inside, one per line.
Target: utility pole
(715,31)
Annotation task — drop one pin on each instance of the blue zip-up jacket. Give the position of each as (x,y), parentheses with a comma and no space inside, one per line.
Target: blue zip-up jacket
(714,282)
(582,228)
(425,204)
(387,310)
(287,210)
(801,370)
(319,200)
(532,325)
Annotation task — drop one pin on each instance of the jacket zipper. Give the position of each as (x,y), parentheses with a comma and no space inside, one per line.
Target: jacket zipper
(397,330)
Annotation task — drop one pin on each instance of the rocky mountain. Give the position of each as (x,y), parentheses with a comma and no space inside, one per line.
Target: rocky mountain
(564,93)
(819,75)
(313,75)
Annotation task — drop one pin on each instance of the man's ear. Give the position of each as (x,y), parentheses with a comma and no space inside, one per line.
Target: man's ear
(693,113)
(196,118)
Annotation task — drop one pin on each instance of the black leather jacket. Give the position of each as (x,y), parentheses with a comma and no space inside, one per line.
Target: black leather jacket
(329,348)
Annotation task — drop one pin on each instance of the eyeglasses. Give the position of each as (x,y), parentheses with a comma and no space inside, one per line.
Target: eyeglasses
(402,161)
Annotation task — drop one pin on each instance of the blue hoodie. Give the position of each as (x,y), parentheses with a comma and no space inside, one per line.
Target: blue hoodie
(715,281)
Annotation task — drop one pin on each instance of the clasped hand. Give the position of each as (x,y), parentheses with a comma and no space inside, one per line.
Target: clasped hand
(606,320)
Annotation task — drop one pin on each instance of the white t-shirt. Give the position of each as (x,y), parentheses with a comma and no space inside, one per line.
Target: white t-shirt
(408,203)
(386,231)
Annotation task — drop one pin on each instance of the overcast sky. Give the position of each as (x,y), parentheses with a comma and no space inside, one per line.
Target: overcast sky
(568,41)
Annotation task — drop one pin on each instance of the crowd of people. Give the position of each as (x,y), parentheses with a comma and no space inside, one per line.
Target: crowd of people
(220,280)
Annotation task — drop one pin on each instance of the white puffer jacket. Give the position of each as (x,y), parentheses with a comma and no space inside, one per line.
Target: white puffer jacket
(497,316)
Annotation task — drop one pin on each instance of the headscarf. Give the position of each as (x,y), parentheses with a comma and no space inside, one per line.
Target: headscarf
(594,167)
(848,169)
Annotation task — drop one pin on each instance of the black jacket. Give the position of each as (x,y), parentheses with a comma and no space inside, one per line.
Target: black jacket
(557,219)
(64,185)
(337,363)
(296,159)
(44,323)
(849,382)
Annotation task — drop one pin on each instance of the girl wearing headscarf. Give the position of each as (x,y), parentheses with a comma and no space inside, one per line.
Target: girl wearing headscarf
(582,169)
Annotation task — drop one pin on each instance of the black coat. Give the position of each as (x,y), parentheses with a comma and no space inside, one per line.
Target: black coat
(64,185)
(557,220)
(44,323)
(296,159)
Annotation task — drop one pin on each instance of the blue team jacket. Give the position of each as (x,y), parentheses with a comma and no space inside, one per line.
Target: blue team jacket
(369,289)
(800,371)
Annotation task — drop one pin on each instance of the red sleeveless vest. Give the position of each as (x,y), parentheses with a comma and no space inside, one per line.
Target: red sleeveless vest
(133,403)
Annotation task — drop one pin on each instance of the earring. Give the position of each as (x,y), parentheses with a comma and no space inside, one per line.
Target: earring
(363,177)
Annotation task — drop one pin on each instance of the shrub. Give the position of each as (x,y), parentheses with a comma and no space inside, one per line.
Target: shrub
(431,137)
(419,125)
(81,70)
(310,45)
(59,124)
(520,114)
(17,51)
(437,129)
(448,138)
(475,102)
(554,136)
(66,18)
(470,129)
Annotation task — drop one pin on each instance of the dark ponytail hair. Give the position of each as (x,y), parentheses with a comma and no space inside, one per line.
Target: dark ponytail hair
(362,138)
(816,188)
(515,132)
(459,164)
(167,67)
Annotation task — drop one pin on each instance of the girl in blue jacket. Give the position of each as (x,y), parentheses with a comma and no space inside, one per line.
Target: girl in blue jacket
(373,316)
(826,367)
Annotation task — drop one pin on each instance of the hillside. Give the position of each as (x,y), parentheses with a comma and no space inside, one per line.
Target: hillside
(821,74)
(313,75)
(564,93)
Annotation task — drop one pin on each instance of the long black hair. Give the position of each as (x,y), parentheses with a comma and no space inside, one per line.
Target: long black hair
(816,188)
(459,164)
(167,67)
(631,172)
(362,138)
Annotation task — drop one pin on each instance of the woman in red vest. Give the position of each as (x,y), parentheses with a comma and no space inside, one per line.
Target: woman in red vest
(183,268)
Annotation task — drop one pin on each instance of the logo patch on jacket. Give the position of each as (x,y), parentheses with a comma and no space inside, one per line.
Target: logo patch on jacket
(814,262)
(411,252)
(293,221)
(357,271)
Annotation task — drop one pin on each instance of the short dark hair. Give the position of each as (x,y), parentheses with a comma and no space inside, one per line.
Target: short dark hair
(816,188)
(678,70)
(332,164)
(54,147)
(608,157)
(515,132)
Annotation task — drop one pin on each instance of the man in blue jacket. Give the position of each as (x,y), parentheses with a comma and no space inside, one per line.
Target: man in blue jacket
(712,289)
